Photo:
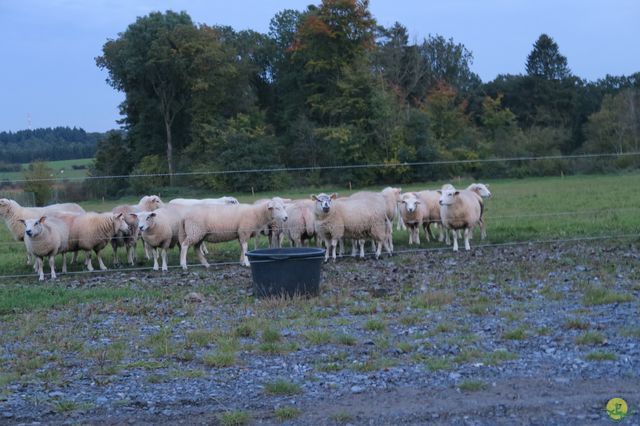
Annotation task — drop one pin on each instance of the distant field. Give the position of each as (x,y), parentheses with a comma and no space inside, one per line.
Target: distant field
(520,210)
(63,169)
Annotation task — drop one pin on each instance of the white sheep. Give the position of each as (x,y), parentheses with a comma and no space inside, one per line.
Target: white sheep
(12,213)
(92,232)
(129,239)
(431,202)
(460,210)
(483,191)
(300,225)
(160,231)
(46,237)
(353,218)
(388,199)
(197,201)
(412,212)
(220,223)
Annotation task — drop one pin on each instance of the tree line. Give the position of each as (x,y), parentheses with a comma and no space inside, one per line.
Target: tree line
(328,86)
(50,144)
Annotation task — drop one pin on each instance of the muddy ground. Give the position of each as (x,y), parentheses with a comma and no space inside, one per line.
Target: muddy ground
(518,334)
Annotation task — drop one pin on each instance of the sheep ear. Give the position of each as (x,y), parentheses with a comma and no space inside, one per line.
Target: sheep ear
(333,196)
(133,215)
(487,185)
(456,193)
(42,219)
(22,221)
(270,205)
(314,198)
(439,191)
(152,214)
(119,215)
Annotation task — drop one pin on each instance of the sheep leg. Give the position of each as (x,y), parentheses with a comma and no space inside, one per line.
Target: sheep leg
(155,259)
(447,239)
(87,261)
(64,262)
(204,248)
(243,257)
(201,258)
(100,262)
(183,254)
(454,235)
(334,246)
(362,244)
(354,248)
(146,250)
(467,233)
(441,232)
(327,252)
(165,268)
(38,263)
(114,246)
(52,265)
(483,230)
(131,250)
(341,244)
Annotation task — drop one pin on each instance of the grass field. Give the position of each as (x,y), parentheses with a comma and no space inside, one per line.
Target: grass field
(62,169)
(520,210)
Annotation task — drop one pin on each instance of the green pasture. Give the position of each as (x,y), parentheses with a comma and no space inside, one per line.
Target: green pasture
(521,210)
(62,169)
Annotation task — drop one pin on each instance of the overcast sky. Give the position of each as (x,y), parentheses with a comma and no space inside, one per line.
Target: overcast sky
(48,75)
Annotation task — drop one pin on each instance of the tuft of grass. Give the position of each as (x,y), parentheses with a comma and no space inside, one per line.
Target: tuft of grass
(65,406)
(234,418)
(286,413)
(431,300)
(277,348)
(472,386)
(219,359)
(598,295)
(434,364)
(445,327)
(409,320)
(600,356)
(341,417)
(499,356)
(345,339)
(374,364)
(200,338)
(367,309)
(550,294)
(374,325)
(575,324)
(590,338)
(246,328)
(161,344)
(468,356)
(479,306)
(282,387)
(630,332)
(405,347)
(318,337)
(270,335)
(515,334)
(187,374)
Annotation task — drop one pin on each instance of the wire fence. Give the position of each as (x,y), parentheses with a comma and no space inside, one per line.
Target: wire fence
(345,167)
(488,217)
(406,251)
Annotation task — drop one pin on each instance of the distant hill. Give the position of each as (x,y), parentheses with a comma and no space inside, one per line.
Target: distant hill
(59,143)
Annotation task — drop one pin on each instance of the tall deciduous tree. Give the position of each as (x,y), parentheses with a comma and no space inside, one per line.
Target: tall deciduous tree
(154,62)
(546,61)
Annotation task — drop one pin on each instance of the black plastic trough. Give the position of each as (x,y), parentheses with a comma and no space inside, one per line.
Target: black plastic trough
(289,272)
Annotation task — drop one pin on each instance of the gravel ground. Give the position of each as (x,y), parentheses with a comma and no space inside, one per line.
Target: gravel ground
(528,334)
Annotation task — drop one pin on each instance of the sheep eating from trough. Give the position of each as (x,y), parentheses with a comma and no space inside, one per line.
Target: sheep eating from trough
(220,223)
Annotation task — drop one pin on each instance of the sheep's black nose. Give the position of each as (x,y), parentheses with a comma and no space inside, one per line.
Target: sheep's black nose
(325,209)
(28,233)
(441,203)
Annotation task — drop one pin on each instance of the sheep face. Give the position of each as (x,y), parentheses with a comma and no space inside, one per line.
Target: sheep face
(448,196)
(277,209)
(146,221)
(481,189)
(120,223)
(323,201)
(33,227)
(410,202)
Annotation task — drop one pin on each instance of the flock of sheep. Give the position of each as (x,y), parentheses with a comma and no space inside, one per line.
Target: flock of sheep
(68,228)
